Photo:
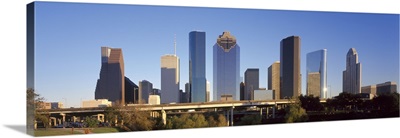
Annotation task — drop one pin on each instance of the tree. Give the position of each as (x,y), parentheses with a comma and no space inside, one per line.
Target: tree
(311,103)
(91,122)
(249,120)
(187,121)
(387,103)
(35,102)
(295,113)
(131,118)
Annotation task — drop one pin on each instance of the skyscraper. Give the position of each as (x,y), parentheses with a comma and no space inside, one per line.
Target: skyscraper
(187,90)
(317,73)
(145,89)
(274,79)
(352,74)
(252,82)
(197,66)
(290,67)
(111,84)
(170,79)
(242,87)
(226,67)
(131,92)
(208,93)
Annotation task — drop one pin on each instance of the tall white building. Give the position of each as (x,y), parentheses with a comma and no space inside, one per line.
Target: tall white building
(352,74)
(208,94)
(170,79)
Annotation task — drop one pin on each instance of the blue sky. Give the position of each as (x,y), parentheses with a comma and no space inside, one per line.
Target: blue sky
(69,37)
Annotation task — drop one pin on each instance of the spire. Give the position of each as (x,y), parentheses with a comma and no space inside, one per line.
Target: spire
(175,44)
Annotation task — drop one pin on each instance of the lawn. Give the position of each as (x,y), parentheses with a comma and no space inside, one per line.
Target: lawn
(68,131)
(55,132)
(104,130)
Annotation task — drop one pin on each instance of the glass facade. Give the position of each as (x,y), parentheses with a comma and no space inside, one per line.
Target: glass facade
(197,66)
(317,73)
(226,67)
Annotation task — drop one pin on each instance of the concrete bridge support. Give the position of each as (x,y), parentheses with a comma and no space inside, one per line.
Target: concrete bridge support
(100,117)
(273,111)
(164,117)
(53,120)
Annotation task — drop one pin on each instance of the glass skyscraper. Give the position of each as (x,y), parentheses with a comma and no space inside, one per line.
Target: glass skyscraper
(226,67)
(352,74)
(290,76)
(317,73)
(197,66)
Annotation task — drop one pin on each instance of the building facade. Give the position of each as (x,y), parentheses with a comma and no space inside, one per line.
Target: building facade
(371,89)
(154,99)
(111,84)
(131,92)
(197,66)
(352,74)
(274,79)
(96,103)
(145,89)
(290,86)
(263,94)
(208,92)
(386,88)
(170,79)
(188,93)
(252,82)
(226,67)
(316,71)
(57,105)
(242,89)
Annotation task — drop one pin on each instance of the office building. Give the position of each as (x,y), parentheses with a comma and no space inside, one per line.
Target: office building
(242,90)
(197,66)
(156,92)
(290,86)
(317,74)
(131,92)
(226,67)
(251,81)
(96,103)
(352,74)
(386,88)
(57,105)
(170,79)
(111,84)
(371,89)
(208,92)
(274,80)
(263,94)
(188,93)
(154,99)
(145,89)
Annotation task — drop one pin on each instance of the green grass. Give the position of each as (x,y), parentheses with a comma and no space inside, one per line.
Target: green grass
(105,130)
(54,132)
(68,131)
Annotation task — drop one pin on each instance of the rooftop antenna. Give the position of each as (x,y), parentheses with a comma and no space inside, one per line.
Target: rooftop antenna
(175,44)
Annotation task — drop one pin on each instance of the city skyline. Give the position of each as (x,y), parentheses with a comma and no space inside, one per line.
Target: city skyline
(253,49)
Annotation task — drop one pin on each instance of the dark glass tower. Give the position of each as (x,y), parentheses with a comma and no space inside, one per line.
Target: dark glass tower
(226,67)
(290,67)
(111,84)
(197,66)
(251,81)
